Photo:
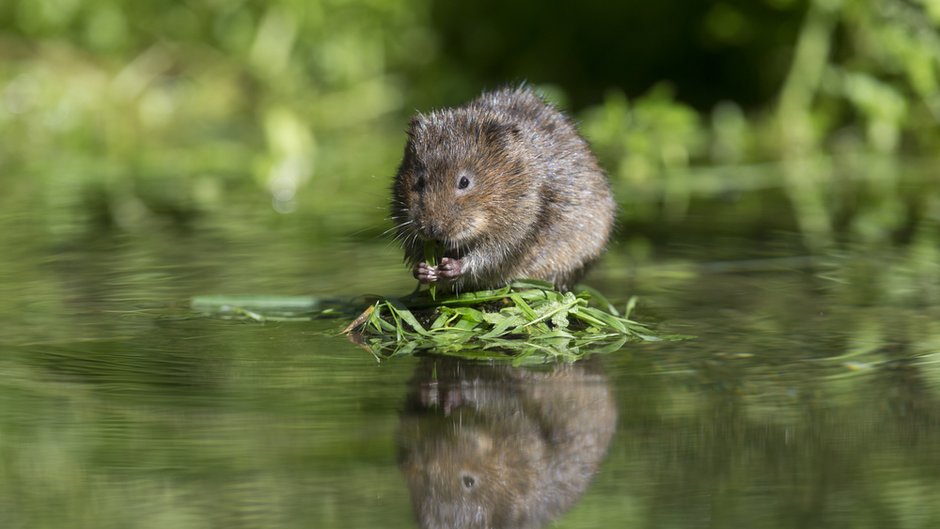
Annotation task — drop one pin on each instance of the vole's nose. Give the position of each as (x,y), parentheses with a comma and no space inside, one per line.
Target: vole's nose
(432,231)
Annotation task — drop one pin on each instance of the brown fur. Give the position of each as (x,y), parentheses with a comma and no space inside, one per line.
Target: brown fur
(538,205)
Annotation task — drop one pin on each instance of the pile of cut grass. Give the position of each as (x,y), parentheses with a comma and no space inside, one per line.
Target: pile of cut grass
(526,321)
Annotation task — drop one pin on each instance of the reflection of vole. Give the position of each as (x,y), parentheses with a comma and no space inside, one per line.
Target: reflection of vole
(497,447)
(508,187)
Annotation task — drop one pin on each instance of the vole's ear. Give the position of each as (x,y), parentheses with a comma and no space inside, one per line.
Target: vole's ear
(501,133)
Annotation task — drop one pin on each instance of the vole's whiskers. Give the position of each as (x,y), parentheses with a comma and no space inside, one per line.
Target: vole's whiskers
(414,238)
(396,227)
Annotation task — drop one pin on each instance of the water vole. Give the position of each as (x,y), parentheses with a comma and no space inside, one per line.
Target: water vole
(507,186)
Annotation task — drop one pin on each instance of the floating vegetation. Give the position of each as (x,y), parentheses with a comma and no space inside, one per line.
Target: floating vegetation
(527,321)
(271,308)
(430,257)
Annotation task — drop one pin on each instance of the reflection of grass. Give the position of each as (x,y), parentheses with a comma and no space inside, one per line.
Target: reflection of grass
(525,321)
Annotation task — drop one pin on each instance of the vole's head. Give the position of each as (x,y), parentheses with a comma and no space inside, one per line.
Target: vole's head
(464,179)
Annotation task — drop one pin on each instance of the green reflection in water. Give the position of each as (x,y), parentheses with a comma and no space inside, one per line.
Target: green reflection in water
(808,399)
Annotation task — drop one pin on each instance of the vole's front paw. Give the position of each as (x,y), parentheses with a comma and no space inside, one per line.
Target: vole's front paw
(425,273)
(450,268)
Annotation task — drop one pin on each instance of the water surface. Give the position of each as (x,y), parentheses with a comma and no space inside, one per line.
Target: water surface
(809,397)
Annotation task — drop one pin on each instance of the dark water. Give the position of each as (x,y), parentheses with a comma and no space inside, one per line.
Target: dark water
(810,396)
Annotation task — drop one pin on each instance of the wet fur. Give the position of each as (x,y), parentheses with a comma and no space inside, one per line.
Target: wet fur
(538,206)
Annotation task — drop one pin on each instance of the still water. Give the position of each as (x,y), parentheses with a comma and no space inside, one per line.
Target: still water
(809,397)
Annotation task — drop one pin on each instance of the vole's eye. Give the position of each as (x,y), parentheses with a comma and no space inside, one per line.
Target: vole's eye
(419,183)
(464,183)
(468,481)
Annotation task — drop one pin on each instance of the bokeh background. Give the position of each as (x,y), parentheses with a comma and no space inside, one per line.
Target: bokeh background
(125,115)
(776,165)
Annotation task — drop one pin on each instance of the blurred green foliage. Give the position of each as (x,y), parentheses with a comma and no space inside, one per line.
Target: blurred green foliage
(117,110)
(743,116)
(120,113)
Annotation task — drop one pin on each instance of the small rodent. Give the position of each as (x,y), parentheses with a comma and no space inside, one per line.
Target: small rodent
(496,446)
(509,189)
